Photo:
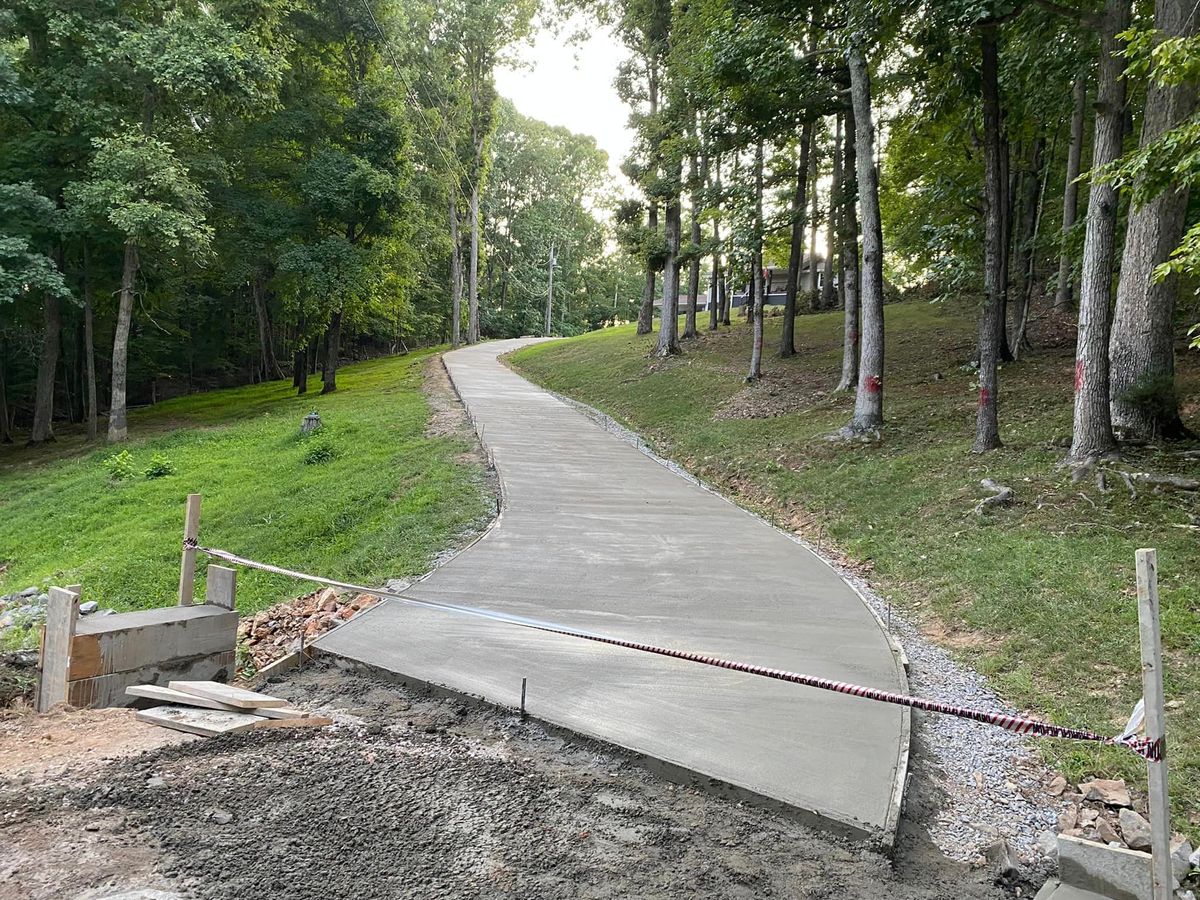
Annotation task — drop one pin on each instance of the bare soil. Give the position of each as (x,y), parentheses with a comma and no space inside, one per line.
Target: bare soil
(410,795)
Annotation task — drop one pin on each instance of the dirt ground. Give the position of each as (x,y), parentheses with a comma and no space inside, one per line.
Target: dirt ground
(407,795)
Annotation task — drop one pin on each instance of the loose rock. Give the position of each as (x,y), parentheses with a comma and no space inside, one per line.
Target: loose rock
(1110,792)
(1134,829)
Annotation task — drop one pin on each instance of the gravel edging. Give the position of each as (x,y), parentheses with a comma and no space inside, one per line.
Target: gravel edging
(992,779)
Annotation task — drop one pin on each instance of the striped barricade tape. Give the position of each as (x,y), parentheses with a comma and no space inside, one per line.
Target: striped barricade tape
(1150,749)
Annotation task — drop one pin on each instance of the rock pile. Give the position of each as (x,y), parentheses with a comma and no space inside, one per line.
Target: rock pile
(275,632)
(1102,810)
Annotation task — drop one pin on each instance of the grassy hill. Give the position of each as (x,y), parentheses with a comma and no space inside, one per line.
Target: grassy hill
(1040,596)
(369,496)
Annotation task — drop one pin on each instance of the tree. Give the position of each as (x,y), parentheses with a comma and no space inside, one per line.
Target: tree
(1064,293)
(1092,433)
(139,188)
(868,400)
(848,239)
(1145,404)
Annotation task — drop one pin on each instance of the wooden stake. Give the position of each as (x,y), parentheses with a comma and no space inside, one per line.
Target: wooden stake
(220,588)
(61,612)
(1152,693)
(187,565)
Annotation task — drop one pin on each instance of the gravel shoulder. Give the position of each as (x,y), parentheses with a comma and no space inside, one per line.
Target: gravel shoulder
(411,795)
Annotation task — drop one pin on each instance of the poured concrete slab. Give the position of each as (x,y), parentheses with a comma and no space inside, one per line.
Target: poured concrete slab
(598,536)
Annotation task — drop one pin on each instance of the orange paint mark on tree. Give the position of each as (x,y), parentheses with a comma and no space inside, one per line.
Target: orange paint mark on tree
(874,384)
(1078,375)
(985,397)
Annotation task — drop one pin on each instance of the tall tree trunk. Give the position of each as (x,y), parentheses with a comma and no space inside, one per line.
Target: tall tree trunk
(787,345)
(5,422)
(1064,295)
(300,370)
(813,177)
(668,324)
(473,271)
(828,292)
(991,319)
(550,291)
(723,287)
(89,347)
(1035,202)
(269,366)
(1142,347)
(1008,182)
(757,288)
(43,403)
(848,236)
(1093,434)
(456,280)
(645,322)
(698,174)
(333,349)
(117,427)
(868,402)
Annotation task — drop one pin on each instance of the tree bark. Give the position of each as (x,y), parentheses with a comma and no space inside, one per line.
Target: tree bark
(814,300)
(1008,185)
(1093,434)
(991,319)
(268,365)
(1064,295)
(828,292)
(787,346)
(43,403)
(300,370)
(1031,183)
(117,427)
(668,322)
(723,287)
(868,402)
(333,348)
(550,292)
(645,322)
(456,280)
(89,348)
(757,287)
(848,235)
(5,422)
(473,271)
(1145,404)
(689,327)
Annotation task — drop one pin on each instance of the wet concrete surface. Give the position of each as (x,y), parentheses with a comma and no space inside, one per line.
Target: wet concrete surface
(598,536)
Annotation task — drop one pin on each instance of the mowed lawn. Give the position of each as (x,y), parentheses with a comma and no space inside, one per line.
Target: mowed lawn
(1040,597)
(366,498)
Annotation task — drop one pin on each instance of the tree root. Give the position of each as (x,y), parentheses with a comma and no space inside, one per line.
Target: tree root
(1001,496)
(1173,482)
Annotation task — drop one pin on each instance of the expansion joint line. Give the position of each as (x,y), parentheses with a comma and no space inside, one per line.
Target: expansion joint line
(1153,750)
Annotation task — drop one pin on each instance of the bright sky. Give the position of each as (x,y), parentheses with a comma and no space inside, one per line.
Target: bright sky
(572,86)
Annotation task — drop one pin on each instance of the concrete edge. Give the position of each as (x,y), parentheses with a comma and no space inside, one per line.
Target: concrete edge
(677,773)
(899,657)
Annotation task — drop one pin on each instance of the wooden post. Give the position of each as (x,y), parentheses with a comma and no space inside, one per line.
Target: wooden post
(221,587)
(1152,693)
(61,612)
(187,565)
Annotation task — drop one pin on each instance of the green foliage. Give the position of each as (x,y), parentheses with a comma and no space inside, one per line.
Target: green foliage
(321,453)
(160,466)
(399,499)
(120,466)
(26,215)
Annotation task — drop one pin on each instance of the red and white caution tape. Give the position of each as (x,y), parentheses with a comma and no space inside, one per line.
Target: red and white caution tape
(1150,749)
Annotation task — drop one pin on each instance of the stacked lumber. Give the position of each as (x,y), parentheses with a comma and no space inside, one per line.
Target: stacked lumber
(210,708)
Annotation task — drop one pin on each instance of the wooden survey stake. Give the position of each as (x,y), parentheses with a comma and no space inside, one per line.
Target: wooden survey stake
(62,610)
(1152,694)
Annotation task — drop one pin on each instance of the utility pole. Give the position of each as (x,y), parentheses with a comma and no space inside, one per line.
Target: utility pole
(550,291)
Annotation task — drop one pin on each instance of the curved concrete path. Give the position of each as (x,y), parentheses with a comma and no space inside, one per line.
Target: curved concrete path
(597,535)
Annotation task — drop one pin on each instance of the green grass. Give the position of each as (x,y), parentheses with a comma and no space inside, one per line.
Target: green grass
(1039,597)
(368,497)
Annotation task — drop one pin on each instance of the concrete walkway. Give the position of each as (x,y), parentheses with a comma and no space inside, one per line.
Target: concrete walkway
(596,535)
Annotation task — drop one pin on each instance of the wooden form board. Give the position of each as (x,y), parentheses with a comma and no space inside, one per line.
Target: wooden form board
(126,642)
(62,610)
(179,698)
(226,693)
(193,720)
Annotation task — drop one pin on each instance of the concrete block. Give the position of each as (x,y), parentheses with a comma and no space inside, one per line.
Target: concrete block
(109,690)
(130,641)
(1118,874)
